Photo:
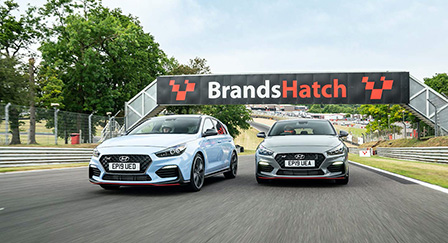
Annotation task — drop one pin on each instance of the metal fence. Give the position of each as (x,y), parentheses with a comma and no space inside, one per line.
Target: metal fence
(54,126)
(425,154)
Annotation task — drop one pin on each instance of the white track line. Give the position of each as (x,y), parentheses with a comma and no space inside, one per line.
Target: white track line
(43,170)
(429,185)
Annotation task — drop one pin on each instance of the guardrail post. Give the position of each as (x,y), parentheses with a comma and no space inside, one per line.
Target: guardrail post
(125,116)
(7,123)
(435,118)
(90,128)
(56,110)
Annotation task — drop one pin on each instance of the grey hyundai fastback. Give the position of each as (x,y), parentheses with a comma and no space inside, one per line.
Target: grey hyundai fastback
(302,149)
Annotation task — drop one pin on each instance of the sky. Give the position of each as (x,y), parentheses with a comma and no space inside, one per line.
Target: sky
(298,36)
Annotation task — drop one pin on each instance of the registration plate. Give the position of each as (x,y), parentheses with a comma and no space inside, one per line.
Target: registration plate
(299,163)
(124,166)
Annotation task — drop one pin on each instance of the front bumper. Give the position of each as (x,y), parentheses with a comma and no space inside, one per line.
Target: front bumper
(155,174)
(267,167)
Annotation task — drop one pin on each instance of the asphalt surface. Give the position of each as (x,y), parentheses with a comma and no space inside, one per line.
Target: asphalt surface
(62,206)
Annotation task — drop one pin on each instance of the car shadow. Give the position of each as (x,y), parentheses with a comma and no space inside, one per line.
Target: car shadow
(163,191)
(301,183)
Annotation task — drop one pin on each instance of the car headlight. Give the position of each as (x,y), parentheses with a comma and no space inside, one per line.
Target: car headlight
(336,150)
(96,153)
(264,151)
(172,151)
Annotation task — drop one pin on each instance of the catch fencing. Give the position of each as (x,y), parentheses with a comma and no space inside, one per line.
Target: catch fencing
(54,126)
(29,156)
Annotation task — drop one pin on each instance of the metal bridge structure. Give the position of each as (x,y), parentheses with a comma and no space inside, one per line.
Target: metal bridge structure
(424,102)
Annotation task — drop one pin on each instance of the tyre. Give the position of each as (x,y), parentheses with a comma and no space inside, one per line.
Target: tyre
(110,187)
(197,174)
(233,167)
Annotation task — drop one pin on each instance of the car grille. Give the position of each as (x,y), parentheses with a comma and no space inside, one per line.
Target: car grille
(318,158)
(94,172)
(300,172)
(119,177)
(144,161)
(336,168)
(265,168)
(171,172)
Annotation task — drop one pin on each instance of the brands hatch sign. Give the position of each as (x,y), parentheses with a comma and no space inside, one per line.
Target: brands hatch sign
(300,88)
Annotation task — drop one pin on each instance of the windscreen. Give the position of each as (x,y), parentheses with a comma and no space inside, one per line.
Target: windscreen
(309,127)
(169,125)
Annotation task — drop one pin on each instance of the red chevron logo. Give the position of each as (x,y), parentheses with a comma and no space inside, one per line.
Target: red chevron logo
(377,93)
(181,95)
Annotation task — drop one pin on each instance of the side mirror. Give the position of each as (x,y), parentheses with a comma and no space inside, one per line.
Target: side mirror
(210,132)
(343,133)
(261,135)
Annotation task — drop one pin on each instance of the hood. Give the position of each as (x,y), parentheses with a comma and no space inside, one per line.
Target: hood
(148,140)
(322,141)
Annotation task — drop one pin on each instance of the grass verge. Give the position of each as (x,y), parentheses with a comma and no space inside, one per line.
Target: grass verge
(41,167)
(433,173)
(248,139)
(354,130)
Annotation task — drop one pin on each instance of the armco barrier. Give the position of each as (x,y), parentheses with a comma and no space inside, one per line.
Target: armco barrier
(425,154)
(25,156)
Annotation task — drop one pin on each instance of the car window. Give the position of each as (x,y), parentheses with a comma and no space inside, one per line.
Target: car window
(310,127)
(220,127)
(167,124)
(208,125)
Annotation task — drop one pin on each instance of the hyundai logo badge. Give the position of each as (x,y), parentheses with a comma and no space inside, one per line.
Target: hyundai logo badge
(123,158)
(299,156)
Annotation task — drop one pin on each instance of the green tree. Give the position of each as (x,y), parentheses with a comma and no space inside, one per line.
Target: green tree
(380,114)
(103,57)
(13,89)
(98,58)
(439,83)
(17,33)
(315,109)
(49,87)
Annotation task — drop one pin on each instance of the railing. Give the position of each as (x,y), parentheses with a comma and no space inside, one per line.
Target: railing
(425,154)
(142,106)
(428,105)
(111,130)
(27,156)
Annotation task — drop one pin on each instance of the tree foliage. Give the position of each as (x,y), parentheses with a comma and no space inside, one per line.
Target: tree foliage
(102,56)
(17,33)
(439,83)
(380,114)
(13,85)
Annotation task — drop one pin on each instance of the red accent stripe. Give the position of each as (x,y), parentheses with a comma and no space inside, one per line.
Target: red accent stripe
(136,184)
(294,178)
